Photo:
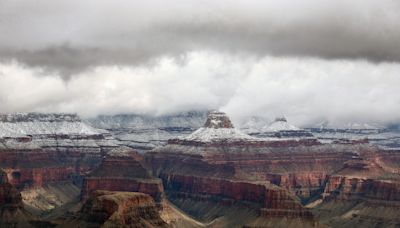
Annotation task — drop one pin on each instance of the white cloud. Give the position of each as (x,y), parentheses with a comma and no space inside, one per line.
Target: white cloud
(305,90)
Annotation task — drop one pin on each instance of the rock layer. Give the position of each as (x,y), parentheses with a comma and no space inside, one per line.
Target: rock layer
(36,149)
(121,171)
(118,209)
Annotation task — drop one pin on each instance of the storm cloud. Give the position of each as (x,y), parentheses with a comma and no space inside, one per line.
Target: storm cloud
(71,36)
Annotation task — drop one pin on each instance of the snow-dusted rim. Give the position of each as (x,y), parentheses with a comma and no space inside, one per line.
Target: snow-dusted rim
(221,134)
(20,129)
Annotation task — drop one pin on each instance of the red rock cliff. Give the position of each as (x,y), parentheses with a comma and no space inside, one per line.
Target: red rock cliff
(122,172)
(119,209)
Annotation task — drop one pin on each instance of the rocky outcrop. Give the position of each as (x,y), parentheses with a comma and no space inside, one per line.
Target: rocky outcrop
(356,188)
(359,202)
(217,120)
(12,212)
(120,170)
(151,187)
(270,199)
(118,209)
(367,176)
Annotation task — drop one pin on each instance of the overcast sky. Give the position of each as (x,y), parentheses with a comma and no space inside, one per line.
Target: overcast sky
(310,60)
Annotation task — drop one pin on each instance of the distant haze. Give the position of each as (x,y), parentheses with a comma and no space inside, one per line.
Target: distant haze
(310,60)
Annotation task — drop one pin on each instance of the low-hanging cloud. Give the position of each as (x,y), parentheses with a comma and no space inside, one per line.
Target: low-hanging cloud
(73,36)
(307,90)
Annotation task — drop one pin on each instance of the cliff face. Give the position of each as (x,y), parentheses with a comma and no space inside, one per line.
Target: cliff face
(303,170)
(36,149)
(351,173)
(40,151)
(373,175)
(37,167)
(262,195)
(219,178)
(12,213)
(118,209)
(358,188)
(364,193)
(120,170)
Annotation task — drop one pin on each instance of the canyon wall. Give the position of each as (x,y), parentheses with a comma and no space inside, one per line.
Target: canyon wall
(118,209)
(121,170)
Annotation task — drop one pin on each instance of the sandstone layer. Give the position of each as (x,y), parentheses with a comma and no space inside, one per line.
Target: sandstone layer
(121,170)
(118,209)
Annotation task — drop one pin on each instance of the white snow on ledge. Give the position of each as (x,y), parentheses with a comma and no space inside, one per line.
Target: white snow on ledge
(205,134)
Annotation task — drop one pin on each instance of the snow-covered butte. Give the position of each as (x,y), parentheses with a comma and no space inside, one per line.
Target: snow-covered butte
(280,124)
(218,127)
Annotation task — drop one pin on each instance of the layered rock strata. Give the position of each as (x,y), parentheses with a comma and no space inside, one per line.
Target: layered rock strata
(220,164)
(121,170)
(36,149)
(364,193)
(118,209)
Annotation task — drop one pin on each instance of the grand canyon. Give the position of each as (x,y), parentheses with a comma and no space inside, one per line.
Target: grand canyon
(58,170)
(199,114)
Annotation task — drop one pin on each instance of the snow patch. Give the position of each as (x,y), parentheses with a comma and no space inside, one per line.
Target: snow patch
(205,134)
(280,126)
